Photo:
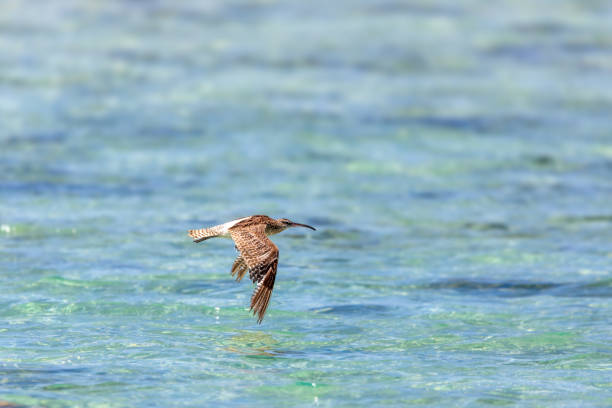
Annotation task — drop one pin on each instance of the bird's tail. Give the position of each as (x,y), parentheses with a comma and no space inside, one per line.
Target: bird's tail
(203,234)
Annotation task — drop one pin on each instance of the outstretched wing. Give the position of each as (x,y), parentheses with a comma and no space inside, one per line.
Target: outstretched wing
(261,257)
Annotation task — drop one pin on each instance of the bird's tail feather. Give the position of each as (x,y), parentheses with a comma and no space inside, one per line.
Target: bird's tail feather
(203,234)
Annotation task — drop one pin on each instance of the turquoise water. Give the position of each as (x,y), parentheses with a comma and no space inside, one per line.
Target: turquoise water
(456,159)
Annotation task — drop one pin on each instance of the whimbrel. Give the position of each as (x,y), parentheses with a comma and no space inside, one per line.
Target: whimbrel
(257,253)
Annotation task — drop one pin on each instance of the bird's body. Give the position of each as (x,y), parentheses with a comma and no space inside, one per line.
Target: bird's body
(258,254)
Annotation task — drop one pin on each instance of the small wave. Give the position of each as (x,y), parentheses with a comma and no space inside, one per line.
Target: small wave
(353,309)
(519,289)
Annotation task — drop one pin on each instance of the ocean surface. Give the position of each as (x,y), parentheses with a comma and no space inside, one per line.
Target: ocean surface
(455,158)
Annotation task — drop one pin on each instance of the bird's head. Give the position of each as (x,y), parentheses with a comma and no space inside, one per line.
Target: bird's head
(288,224)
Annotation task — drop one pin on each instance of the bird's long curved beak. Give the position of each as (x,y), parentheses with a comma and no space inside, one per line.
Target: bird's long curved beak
(295,224)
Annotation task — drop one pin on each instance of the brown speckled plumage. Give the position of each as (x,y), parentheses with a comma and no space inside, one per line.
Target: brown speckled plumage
(258,254)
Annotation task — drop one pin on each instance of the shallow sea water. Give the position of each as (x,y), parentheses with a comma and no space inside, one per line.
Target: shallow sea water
(456,159)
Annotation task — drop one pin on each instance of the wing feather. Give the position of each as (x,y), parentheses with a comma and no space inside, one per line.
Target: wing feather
(261,257)
(239,268)
(262,294)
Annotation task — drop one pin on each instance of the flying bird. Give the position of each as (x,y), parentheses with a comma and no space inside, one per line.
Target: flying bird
(257,253)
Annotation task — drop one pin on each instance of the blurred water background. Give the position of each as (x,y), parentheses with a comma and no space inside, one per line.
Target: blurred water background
(456,158)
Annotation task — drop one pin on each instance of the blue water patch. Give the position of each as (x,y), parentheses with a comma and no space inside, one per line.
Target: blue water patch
(455,158)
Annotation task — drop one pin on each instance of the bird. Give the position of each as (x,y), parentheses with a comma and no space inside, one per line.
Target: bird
(257,254)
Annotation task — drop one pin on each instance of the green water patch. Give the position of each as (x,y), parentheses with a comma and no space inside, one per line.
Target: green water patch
(107,308)
(582,219)
(295,392)
(486,226)
(579,361)
(99,388)
(38,232)
(506,289)
(58,284)
(252,344)
(354,309)
(63,387)
(17,401)
(542,343)
(431,340)
(601,288)
(473,319)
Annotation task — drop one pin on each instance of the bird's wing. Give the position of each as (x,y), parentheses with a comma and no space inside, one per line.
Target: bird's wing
(261,257)
(240,268)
